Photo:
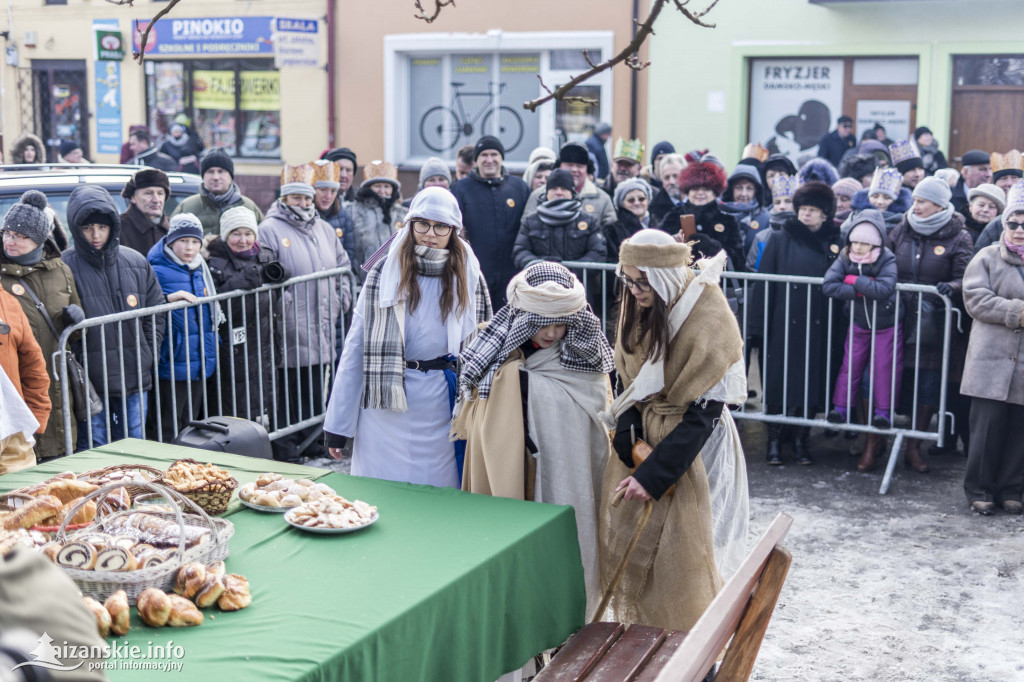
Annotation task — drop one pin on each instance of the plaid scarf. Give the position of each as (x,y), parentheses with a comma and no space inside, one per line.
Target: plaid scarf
(383,332)
(584,348)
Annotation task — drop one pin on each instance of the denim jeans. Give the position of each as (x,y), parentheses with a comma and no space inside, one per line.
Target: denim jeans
(134,405)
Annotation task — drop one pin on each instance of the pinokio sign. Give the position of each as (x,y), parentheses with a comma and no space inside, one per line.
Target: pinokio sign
(209,36)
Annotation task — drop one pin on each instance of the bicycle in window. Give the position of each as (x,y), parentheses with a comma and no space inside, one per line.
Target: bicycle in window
(443,128)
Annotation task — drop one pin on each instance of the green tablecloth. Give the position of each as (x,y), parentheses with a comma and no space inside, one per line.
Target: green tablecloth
(446,585)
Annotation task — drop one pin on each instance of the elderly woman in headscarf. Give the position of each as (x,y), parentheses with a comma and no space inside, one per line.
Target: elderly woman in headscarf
(679,357)
(533,383)
(632,202)
(423,298)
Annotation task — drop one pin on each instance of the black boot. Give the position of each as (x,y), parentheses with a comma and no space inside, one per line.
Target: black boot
(803,454)
(774,444)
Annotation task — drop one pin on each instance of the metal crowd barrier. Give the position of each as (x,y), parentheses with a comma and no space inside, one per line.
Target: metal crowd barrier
(289,398)
(750,295)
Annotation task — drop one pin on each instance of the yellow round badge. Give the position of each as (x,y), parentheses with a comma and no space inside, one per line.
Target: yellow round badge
(589,208)
(719,227)
(398,224)
(834,248)
(754,224)
(582,225)
(18,290)
(511,202)
(132,301)
(939,250)
(286,242)
(340,232)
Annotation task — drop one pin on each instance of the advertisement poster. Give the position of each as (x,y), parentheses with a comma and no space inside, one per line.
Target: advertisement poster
(296,43)
(207,36)
(108,88)
(893,114)
(793,102)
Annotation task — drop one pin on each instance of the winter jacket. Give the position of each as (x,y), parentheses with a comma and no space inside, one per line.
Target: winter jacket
(595,202)
(249,338)
(310,309)
(22,359)
(893,216)
(933,159)
(659,206)
(959,199)
(832,146)
(990,235)
(994,296)
(373,221)
(492,210)
(716,230)
(193,335)
(185,153)
(795,250)
(26,140)
(154,158)
(752,216)
(941,257)
(337,217)
(208,212)
(622,229)
(876,282)
(113,280)
(974,227)
(139,232)
(580,240)
(595,146)
(51,281)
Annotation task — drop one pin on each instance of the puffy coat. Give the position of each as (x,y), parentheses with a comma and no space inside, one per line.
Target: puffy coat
(795,250)
(26,140)
(248,346)
(904,202)
(208,212)
(876,282)
(595,202)
(716,230)
(371,227)
(310,309)
(622,229)
(492,211)
(994,296)
(337,217)
(22,360)
(193,336)
(580,240)
(51,281)
(139,232)
(941,257)
(185,151)
(113,280)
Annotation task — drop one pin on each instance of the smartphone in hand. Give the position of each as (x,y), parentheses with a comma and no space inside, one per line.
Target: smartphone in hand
(687,227)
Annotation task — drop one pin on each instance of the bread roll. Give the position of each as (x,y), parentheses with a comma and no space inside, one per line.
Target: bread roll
(183,612)
(67,489)
(216,568)
(210,591)
(116,559)
(154,607)
(190,579)
(32,512)
(247,491)
(75,554)
(86,514)
(103,621)
(120,615)
(51,550)
(236,593)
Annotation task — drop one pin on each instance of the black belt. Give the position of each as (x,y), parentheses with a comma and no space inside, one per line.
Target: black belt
(425,366)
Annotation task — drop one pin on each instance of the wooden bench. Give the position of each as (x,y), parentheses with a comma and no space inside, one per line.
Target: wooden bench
(614,652)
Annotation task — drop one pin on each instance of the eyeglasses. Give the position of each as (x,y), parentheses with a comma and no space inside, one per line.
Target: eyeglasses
(1013,225)
(642,287)
(439,229)
(635,200)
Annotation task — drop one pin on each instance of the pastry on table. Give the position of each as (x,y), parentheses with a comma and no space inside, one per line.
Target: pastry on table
(84,515)
(183,613)
(217,568)
(77,554)
(68,489)
(115,559)
(210,591)
(33,512)
(190,579)
(103,621)
(120,615)
(236,593)
(154,607)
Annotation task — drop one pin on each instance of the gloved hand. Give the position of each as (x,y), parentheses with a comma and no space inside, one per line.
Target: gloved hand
(629,427)
(850,279)
(273,272)
(707,245)
(945,289)
(72,314)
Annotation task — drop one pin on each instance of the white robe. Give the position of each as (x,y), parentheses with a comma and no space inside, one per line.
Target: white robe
(409,446)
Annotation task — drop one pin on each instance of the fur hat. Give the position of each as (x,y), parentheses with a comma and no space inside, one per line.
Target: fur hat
(702,174)
(28,217)
(820,170)
(574,152)
(856,166)
(816,194)
(216,158)
(147,177)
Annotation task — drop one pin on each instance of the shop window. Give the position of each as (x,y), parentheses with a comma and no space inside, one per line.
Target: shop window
(988,70)
(233,104)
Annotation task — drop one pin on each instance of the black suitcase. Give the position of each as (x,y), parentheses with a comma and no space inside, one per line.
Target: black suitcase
(227,434)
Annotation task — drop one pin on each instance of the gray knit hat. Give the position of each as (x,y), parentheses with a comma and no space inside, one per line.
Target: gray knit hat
(235,218)
(934,190)
(28,217)
(627,186)
(434,166)
(991,192)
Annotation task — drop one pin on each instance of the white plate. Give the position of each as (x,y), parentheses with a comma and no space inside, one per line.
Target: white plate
(332,531)
(262,508)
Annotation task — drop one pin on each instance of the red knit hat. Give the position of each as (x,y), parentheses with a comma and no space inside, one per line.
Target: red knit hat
(702,174)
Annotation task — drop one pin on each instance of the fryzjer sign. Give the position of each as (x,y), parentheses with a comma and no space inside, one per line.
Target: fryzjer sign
(208,36)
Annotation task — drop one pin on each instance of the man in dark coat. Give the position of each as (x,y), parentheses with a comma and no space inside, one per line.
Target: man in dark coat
(492,204)
(147,154)
(144,223)
(836,143)
(113,280)
(976,169)
(347,164)
(595,145)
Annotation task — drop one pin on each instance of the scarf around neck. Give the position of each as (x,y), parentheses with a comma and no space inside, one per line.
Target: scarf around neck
(224,200)
(33,257)
(932,224)
(559,212)
(211,290)
(430,262)
(1019,250)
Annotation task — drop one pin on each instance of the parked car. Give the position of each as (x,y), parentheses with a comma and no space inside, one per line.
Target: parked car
(57,180)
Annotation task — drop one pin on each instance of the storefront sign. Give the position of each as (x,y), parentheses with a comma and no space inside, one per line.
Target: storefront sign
(109,45)
(261,90)
(296,43)
(208,36)
(108,107)
(793,102)
(893,114)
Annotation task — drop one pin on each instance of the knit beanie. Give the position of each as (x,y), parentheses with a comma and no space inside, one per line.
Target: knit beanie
(574,152)
(542,153)
(216,158)
(235,218)
(662,148)
(28,217)
(624,188)
(846,187)
(989,191)
(561,178)
(68,146)
(184,225)
(866,233)
(950,176)
(340,153)
(1014,200)
(488,142)
(434,167)
(934,190)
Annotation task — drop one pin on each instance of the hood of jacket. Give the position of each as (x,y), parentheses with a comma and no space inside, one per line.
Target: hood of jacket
(743,172)
(24,141)
(83,202)
(872,217)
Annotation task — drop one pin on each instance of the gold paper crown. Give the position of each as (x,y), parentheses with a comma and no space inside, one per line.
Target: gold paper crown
(784,186)
(378,171)
(903,150)
(325,171)
(1011,160)
(886,181)
(754,150)
(298,174)
(628,149)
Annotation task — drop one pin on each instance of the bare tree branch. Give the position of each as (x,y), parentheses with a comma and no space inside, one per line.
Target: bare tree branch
(144,38)
(438,4)
(695,16)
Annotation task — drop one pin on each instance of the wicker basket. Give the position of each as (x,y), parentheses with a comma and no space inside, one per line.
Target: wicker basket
(213,496)
(101,584)
(142,471)
(11,501)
